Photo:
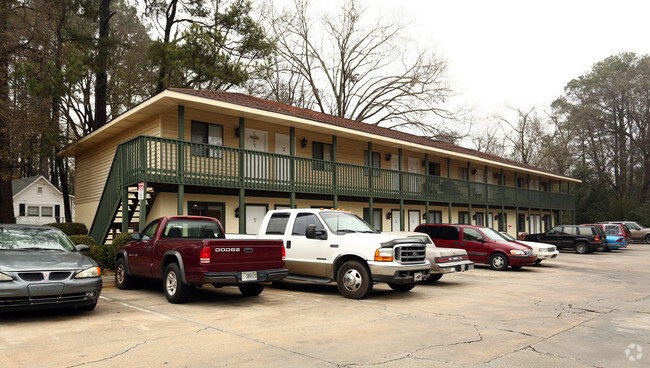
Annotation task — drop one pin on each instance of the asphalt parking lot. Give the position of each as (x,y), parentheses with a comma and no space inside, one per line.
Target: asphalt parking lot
(577,310)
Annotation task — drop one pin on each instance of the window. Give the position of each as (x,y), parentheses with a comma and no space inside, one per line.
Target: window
(472,235)
(480,218)
(39,190)
(435,217)
(463,217)
(376,218)
(376,162)
(277,224)
(322,151)
(463,173)
(304,219)
(521,222)
(192,229)
(208,209)
(434,168)
(211,134)
(520,182)
(21,209)
(33,211)
(46,211)
(570,230)
(150,230)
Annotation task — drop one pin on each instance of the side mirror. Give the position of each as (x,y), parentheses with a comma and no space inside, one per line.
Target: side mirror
(82,247)
(312,233)
(482,240)
(135,236)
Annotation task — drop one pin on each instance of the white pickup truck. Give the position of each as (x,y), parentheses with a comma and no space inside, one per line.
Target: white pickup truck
(333,245)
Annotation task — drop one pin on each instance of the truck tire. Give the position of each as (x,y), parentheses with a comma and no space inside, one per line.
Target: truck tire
(251,289)
(582,248)
(401,287)
(175,291)
(499,262)
(433,277)
(353,280)
(122,279)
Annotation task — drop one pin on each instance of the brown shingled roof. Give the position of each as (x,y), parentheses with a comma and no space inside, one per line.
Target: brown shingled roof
(271,106)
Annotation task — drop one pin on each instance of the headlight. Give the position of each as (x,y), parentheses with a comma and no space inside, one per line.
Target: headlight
(89,272)
(518,252)
(4,277)
(384,255)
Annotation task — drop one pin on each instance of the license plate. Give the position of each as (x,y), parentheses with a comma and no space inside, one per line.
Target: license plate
(249,276)
(469,267)
(417,276)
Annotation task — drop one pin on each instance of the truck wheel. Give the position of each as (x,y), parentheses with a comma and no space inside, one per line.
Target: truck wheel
(251,289)
(353,280)
(433,277)
(499,262)
(122,278)
(537,262)
(401,287)
(175,291)
(582,248)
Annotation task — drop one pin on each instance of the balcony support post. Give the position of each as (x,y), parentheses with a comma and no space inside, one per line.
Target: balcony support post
(125,209)
(426,212)
(371,210)
(181,199)
(401,215)
(449,208)
(242,211)
(143,210)
(292,166)
(335,199)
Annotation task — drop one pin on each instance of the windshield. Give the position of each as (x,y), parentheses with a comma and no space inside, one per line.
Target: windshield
(507,236)
(492,235)
(26,238)
(345,222)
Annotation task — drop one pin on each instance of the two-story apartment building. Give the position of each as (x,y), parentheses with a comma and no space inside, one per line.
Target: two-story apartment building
(234,157)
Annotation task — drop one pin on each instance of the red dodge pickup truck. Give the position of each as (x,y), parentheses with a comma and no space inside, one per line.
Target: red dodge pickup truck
(188,251)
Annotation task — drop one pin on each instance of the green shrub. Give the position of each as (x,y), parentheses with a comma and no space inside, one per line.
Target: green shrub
(120,240)
(82,239)
(104,255)
(71,228)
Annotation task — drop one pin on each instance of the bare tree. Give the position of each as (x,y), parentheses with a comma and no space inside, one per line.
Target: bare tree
(525,135)
(360,69)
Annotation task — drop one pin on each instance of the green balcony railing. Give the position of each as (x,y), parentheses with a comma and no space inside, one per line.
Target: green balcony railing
(162,160)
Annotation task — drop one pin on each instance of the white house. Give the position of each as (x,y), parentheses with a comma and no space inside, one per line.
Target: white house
(38,202)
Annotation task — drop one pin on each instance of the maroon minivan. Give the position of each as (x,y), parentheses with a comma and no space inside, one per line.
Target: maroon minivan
(483,245)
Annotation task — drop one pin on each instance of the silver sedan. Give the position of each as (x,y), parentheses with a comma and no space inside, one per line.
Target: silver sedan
(41,268)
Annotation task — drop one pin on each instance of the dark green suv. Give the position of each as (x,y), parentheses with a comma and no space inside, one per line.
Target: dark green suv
(582,238)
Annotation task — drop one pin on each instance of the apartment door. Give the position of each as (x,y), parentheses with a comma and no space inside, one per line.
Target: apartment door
(282,165)
(254,216)
(414,219)
(394,180)
(256,167)
(414,168)
(395,221)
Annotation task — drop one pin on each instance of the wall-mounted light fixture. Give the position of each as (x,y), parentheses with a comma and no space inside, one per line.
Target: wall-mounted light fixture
(389,215)
(237,212)
(303,143)
(388,156)
(496,176)
(474,217)
(424,217)
(237,132)
(473,171)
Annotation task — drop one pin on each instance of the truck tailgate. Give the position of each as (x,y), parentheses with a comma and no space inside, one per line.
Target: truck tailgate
(244,255)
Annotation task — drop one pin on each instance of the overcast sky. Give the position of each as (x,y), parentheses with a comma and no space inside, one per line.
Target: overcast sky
(522,53)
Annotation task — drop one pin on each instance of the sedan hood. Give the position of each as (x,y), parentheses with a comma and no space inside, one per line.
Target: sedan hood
(43,260)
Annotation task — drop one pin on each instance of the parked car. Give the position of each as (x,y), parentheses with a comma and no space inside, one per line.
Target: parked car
(326,246)
(189,251)
(638,231)
(614,235)
(443,260)
(483,245)
(41,268)
(584,239)
(622,230)
(542,250)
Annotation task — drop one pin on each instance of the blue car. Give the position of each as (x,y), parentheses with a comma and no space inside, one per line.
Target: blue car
(615,242)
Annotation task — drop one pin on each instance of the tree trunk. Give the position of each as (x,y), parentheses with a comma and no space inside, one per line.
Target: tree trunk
(101,76)
(6,193)
(63,178)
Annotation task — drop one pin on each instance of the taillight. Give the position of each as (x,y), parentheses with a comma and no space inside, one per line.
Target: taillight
(205,255)
(284,253)
(619,240)
(597,238)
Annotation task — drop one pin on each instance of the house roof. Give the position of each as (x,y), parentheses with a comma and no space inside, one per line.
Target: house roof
(18,185)
(249,106)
